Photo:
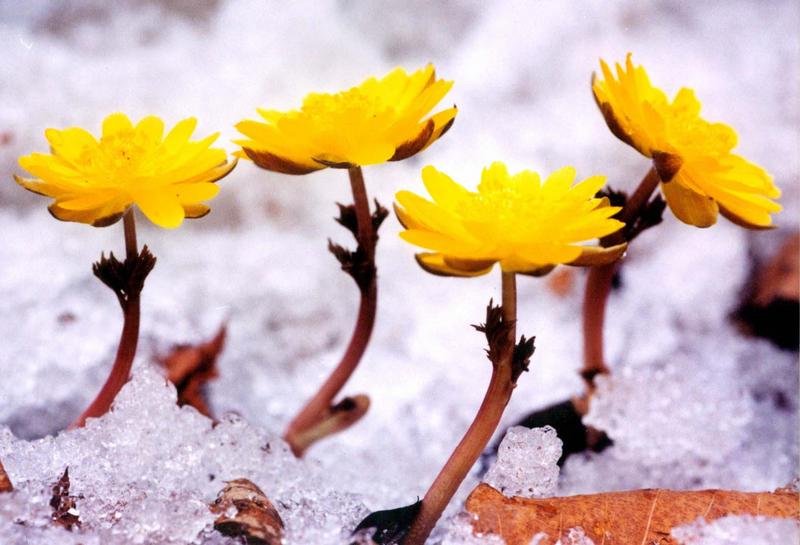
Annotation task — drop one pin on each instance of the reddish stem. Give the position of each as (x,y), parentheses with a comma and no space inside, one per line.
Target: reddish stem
(598,285)
(309,424)
(120,372)
(501,385)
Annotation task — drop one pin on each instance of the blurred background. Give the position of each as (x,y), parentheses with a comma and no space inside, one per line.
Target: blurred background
(521,72)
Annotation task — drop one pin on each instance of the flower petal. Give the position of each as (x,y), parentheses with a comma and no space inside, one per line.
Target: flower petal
(275,163)
(688,206)
(151,127)
(444,191)
(416,144)
(115,124)
(194,211)
(435,263)
(596,255)
(179,135)
(161,207)
(192,193)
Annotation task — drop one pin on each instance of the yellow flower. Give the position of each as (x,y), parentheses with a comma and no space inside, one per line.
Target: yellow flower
(95,182)
(526,225)
(699,174)
(379,120)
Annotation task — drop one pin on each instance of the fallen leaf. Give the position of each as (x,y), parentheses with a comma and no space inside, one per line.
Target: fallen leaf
(244,510)
(780,276)
(5,482)
(770,309)
(617,518)
(190,367)
(387,527)
(65,509)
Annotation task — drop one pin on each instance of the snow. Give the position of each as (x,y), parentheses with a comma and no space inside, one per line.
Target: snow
(148,471)
(691,403)
(527,463)
(735,529)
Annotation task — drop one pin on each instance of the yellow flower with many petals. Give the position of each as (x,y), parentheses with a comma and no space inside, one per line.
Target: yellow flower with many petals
(526,225)
(700,175)
(97,181)
(380,120)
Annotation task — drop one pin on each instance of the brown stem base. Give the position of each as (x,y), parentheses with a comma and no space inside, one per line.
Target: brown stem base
(598,284)
(501,385)
(126,279)
(463,457)
(121,369)
(320,416)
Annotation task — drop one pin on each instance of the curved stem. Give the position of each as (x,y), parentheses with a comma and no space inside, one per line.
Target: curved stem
(310,424)
(366,231)
(301,432)
(501,385)
(129,338)
(598,285)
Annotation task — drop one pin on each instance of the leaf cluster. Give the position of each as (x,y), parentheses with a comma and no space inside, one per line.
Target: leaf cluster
(126,278)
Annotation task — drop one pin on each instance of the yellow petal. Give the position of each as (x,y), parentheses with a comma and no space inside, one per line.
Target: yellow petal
(87,200)
(688,206)
(194,211)
(179,135)
(192,193)
(560,181)
(115,124)
(444,191)
(588,188)
(442,122)
(435,263)
(431,215)
(592,256)
(276,163)
(103,216)
(520,265)
(37,186)
(440,243)
(70,144)
(405,219)
(160,207)
(415,144)
(151,127)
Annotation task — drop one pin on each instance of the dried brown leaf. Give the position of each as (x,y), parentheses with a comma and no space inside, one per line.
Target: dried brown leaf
(770,309)
(65,508)
(190,367)
(617,518)
(5,482)
(245,511)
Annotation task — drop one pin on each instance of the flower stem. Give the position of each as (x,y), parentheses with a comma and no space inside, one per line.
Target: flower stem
(501,385)
(366,232)
(598,285)
(311,423)
(129,338)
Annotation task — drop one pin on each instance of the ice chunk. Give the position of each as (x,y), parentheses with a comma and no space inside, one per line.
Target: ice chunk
(147,471)
(660,413)
(527,462)
(738,529)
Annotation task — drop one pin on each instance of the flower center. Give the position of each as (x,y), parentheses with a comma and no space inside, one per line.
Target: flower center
(331,110)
